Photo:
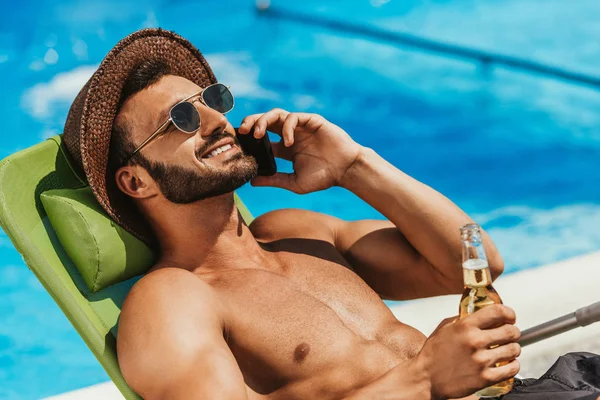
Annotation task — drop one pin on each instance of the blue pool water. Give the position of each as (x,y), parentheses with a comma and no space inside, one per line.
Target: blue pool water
(517,152)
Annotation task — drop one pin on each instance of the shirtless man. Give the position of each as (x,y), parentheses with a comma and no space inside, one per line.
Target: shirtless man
(291,306)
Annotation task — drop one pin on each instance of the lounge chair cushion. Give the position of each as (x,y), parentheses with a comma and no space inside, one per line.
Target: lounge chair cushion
(102,251)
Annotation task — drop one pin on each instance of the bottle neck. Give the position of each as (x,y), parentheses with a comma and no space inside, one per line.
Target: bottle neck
(473,252)
(476,271)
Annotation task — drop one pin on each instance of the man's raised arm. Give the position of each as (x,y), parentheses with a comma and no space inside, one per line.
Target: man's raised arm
(423,254)
(427,245)
(170,343)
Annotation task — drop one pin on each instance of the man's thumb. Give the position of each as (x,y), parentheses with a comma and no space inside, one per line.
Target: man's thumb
(280,180)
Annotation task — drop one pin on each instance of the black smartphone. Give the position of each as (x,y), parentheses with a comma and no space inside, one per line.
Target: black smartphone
(260,149)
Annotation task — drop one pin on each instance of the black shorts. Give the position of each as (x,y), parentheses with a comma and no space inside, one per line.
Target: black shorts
(574,376)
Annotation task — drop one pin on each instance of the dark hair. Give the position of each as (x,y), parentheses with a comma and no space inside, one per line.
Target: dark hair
(121,146)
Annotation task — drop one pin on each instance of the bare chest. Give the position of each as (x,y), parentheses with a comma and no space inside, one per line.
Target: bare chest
(314,317)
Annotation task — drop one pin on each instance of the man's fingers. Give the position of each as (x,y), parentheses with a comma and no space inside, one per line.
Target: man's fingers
(491,357)
(504,334)
(272,120)
(498,374)
(492,316)
(280,180)
(507,352)
(281,122)
(248,122)
(311,122)
(287,132)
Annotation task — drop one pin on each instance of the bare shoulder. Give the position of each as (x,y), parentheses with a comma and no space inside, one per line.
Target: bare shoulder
(295,223)
(166,287)
(162,320)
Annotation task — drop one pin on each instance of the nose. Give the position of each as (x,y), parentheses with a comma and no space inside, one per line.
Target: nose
(212,121)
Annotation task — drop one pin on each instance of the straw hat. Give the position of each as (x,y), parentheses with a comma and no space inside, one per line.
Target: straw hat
(89,123)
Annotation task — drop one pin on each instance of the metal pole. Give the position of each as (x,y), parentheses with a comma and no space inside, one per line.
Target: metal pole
(582,317)
(265,9)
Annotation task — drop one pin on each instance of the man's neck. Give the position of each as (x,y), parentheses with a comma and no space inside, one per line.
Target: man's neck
(205,236)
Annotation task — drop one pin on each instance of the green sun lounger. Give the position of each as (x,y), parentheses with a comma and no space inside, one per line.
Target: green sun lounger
(28,174)
(24,176)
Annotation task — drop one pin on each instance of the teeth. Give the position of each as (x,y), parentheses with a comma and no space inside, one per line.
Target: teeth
(219,150)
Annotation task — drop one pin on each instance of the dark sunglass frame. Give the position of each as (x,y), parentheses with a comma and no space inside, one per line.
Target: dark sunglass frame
(162,127)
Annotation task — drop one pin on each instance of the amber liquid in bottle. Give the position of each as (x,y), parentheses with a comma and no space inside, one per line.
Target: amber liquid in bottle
(478,294)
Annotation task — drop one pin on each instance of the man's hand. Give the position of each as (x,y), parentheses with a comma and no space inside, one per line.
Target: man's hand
(320,151)
(455,361)
(458,354)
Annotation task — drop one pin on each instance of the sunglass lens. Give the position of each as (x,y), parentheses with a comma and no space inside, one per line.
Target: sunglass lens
(185,117)
(218,97)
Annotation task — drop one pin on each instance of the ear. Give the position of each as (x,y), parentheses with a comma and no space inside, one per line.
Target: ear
(135,182)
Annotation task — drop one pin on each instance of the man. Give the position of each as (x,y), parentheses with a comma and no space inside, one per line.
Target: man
(291,306)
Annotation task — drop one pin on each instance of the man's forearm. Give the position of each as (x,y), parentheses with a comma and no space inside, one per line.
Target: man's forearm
(428,220)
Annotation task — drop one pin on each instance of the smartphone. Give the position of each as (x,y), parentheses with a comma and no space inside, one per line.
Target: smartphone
(260,149)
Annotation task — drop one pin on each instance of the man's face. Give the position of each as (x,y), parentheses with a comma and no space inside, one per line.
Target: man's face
(180,163)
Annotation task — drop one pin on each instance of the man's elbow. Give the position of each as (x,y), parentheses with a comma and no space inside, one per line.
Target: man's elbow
(496,264)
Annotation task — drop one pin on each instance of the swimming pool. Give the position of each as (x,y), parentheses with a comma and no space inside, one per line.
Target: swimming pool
(529,146)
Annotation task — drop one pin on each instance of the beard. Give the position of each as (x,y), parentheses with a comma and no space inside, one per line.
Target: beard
(182,185)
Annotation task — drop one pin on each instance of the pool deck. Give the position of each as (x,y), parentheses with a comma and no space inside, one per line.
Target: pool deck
(537,295)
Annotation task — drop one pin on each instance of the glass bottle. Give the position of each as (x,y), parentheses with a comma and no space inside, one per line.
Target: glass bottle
(479,292)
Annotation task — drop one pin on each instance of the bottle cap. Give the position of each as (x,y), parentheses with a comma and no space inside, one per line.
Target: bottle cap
(470,233)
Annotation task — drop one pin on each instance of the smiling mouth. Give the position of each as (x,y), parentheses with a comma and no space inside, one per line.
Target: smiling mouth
(218,150)
(224,142)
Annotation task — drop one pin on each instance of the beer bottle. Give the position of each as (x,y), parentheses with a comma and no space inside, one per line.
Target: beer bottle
(479,292)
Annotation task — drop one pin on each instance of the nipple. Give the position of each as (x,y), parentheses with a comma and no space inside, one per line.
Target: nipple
(301,352)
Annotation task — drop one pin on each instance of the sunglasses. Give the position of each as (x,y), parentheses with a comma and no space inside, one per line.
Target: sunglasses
(185,116)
